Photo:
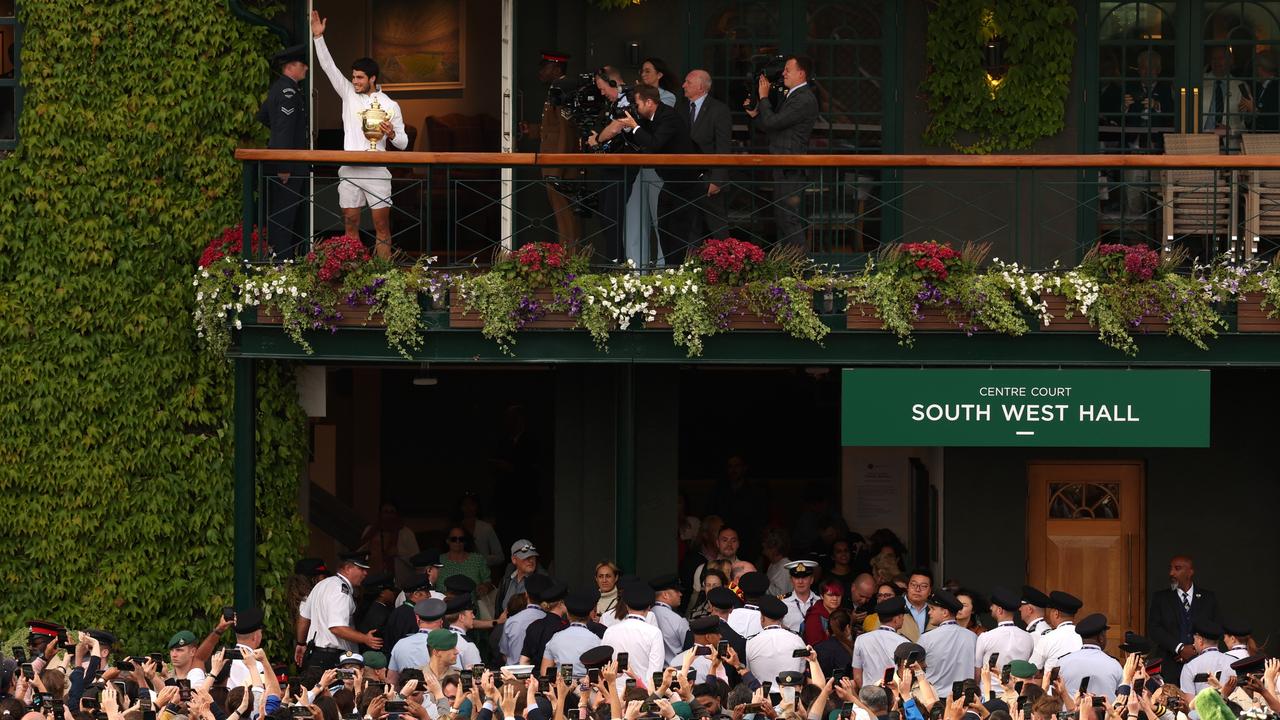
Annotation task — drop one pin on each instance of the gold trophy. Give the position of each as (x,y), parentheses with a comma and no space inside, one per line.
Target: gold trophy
(371,123)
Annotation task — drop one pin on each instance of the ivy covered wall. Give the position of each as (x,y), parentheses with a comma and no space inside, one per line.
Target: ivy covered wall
(116,443)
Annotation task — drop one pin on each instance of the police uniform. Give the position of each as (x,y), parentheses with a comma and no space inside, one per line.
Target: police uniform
(770,651)
(723,599)
(422,564)
(1006,641)
(704,626)
(873,651)
(1210,660)
(1104,672)
(568,645)
(1063,638)
(285,113)
(1039,627)
(1238,630)
(330,604)
(642,642)
(949,647)
(797,608)
(746,620)
(412,652)
(673,627)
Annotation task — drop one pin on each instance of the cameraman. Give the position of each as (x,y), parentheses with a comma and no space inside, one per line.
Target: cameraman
(657,128)
(788,127)
(615,179)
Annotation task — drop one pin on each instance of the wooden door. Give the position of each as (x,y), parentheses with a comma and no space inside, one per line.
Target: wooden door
(1086,535)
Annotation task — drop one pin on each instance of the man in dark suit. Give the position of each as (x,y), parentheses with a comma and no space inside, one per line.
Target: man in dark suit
(710,127)
(1264,104)
(788,127)
(656,128)
(1174,613)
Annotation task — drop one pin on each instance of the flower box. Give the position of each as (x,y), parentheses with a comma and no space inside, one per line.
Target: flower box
(459,318)
(864,317)
(1251,317)
(347,316)
(745,319)
(1057,307)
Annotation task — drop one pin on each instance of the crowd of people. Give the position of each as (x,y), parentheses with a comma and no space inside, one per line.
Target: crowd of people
(833,635)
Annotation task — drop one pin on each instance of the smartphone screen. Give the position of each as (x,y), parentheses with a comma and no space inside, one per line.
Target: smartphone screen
(1084,684)
(593,675)
(991,663)
(1006,672)
(622,662)
(800,652)
(957,688)
(657,680)
(1053,675)
(888,677)
(1200,678)
(702,650)
(722,648)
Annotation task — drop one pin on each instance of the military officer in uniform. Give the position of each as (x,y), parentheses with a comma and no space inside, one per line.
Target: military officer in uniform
(567,646)
(801,597)
(1006,640)
(558,134)
(873,651)
(950,648)
(635,635)
(772,650)
(1205,635)
(674,628)
(459,612)
(325,626)
(285,113)
(412,652)
(1063,638)
(746,619)
(1031,610)
(1091,661)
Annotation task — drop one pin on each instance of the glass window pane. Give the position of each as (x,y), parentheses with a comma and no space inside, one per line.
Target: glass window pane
(7,120)
(6,8)
(1239,68)
(7,50)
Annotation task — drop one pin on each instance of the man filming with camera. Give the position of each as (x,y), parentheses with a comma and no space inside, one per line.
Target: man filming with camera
(788,126)
(615,94)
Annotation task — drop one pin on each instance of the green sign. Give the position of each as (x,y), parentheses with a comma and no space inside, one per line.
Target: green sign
(1025,408)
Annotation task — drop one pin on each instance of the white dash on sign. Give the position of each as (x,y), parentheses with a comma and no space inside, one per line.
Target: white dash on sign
(1024,432)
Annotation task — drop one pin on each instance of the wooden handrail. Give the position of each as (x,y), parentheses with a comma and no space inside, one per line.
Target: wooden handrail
(336,157)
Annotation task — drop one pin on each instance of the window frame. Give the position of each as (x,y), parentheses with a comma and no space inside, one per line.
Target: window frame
(16,81)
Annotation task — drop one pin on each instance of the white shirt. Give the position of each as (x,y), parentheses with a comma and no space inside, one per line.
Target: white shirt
(769,653)
(797,609)
(1103,671)
(196,675)
(329,605)
(796,88)
(641,641)
(745,621)
(353,103)
(468,653)
(873,652)
(1239,652)
(239,673)
(779,577)
(1056,643)
(1007,642)
(701,665)
(1210,661)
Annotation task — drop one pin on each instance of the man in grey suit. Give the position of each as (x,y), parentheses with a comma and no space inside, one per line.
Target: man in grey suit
(788,127)
(711,128)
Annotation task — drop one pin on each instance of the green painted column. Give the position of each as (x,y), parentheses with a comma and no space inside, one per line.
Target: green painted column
(246,533)
(625,469)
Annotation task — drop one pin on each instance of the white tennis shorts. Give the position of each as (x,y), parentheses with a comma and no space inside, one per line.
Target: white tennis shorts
(360,186)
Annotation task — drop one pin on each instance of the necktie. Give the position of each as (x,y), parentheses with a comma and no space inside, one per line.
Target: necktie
(693,113)
(1186,601)
(1218,103)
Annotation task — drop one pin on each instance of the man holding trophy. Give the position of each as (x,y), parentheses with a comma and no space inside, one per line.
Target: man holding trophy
(369,120)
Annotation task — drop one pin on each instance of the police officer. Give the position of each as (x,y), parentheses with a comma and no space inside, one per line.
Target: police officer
(568,645)
(667,594)
(325,627)
(1063,638)
(950,648)
(1235,635)
(1006,640)
(1103,671)
(1205,635)
(801,597)
(513,631)
(541,631)
(412,652)
(772,650)
(746,620)
(285,112)
(460,610)
(873,651)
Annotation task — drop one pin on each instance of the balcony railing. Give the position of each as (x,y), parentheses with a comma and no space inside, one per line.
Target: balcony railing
(1034,209)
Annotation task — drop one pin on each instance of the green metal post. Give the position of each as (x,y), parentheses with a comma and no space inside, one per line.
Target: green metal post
(245,514)
(247,172)
(625,500)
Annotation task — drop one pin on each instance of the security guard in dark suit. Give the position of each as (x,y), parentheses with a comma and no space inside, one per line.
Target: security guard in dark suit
(285,112)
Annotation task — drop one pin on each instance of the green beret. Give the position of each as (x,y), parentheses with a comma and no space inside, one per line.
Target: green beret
(439,639)
(375,660)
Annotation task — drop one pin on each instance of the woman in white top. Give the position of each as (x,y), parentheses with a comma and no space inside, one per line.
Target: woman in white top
(607,583)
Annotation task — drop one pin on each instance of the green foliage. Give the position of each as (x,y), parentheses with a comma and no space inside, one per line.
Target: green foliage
(116,460)
(967,111)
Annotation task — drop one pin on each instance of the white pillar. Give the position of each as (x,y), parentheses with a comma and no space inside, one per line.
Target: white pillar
(508,116)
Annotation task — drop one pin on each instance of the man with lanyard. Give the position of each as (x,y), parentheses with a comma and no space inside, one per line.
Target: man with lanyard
(706,662)
(1063,638)
(541,631)
(248,639)
(427,564)
(746,620)
(1031,610)
(1208,660)
(635,636)
(1006,640)
(460,611)
(403,622)
(324,628)
(673,627)
(412,652)
(873,651)
(362,185)
(567,646)
(772,651)
(801,597)
(949,647)
(516,627)
(722,601)
(1090,662)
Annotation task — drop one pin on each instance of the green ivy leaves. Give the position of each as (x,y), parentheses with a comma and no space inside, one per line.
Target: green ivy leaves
(967,113)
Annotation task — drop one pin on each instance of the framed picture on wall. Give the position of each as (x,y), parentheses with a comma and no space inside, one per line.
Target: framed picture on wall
(419,44)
